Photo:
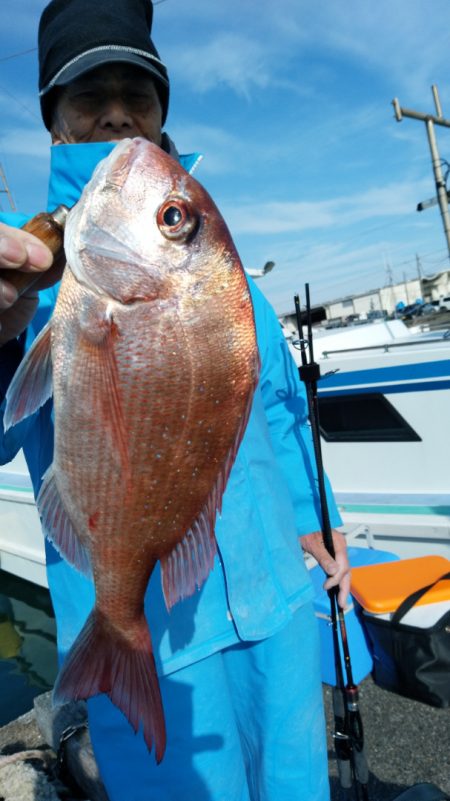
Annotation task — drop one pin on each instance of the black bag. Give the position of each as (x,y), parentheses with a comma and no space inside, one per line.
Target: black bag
(412,661)
(423,792)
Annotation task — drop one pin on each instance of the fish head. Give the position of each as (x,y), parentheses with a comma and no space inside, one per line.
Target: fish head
(143,226)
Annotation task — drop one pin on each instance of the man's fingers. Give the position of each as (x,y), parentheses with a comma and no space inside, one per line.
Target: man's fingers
(344,591)
(39,255)
(19,249)
(12,252)
(329,565)
(344,587)
(20,253)
(8,295)
(337,569)
(334,579)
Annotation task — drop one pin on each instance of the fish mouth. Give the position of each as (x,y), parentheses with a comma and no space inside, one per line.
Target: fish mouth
(123,158)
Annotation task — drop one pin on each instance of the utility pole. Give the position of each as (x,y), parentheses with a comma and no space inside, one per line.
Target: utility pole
(419,274)
(5,189)
(418,267)
(430,121)
(405,284)
(389,275)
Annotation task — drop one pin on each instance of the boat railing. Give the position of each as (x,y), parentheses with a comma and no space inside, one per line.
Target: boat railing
(387,346)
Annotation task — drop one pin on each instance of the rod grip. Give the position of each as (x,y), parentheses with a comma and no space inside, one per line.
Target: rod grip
(49,228)
(341,739)
(360,765)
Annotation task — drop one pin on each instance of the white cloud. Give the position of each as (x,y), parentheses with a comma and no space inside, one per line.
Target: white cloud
(222,149)
(229,59)
(303,147)
(32,142)
(406,42)
(291,216)
(336,269)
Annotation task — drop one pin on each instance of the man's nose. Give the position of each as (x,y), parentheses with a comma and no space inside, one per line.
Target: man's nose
(114,114)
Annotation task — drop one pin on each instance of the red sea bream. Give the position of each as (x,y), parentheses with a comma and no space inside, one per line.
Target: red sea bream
(152,361)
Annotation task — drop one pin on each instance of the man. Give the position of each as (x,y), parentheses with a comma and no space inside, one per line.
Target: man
(238,663)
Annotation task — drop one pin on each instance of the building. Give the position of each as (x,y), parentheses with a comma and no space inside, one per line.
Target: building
(387,298)
(384,300)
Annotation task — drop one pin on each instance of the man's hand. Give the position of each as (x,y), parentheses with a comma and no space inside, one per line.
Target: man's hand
(338,569)
(22,251)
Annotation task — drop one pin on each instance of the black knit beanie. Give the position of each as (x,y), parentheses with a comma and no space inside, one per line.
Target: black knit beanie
(76,36)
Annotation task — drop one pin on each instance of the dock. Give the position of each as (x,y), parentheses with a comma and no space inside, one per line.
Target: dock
(406,743)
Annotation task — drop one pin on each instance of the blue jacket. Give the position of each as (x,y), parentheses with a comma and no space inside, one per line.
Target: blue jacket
(259,577)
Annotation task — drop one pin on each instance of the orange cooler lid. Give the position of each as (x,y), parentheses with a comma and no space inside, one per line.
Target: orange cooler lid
(381,588)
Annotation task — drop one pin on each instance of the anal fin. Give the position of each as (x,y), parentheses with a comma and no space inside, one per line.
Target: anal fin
(58,526)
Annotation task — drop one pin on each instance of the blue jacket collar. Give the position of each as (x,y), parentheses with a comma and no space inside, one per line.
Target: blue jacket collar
(71,167)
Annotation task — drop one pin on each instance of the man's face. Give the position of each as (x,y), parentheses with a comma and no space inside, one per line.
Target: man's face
(109,103)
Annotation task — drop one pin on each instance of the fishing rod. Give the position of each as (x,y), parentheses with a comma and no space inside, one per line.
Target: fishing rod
(348,734)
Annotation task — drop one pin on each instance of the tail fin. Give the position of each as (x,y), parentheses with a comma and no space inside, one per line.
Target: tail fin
(102,660)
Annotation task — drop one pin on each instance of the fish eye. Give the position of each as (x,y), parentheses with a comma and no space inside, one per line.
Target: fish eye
(176,219)
(172,216)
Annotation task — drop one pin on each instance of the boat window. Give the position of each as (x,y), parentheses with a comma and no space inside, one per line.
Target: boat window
(363,418)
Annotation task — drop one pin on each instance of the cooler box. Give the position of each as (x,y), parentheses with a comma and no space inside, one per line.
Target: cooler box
(411,656)
(380,589)
(360,653)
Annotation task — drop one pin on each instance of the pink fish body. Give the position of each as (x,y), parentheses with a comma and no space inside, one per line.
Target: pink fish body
(152,361)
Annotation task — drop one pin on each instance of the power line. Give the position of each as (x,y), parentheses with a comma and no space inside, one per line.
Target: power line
(17,55)
(33,49)
(19,102)
(6,190)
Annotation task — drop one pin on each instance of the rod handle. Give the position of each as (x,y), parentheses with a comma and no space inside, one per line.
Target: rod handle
(342,747)
(360,765)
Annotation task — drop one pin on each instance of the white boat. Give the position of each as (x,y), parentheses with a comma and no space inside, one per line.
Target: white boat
(21,539)
(384,400)
(385,418)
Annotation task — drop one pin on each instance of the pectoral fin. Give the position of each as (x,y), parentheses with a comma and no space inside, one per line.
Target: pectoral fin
(98,335)
(31,386)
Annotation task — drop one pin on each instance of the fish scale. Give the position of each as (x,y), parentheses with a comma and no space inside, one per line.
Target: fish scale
(152,361)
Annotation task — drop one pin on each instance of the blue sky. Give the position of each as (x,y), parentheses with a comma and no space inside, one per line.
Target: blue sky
(290,103)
